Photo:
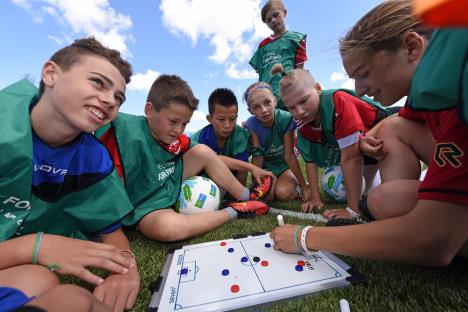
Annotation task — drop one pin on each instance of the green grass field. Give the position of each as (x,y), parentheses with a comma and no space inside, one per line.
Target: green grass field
(390,286)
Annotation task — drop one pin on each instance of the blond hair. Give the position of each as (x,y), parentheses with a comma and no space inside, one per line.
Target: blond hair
(382,29)
(292,77)
(270,5)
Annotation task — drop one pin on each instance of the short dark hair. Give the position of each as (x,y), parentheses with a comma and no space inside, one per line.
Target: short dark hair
(169,88)
(66,57)
(221,96)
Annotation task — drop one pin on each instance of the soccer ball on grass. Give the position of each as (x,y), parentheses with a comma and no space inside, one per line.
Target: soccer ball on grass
(333,184)
(198,194)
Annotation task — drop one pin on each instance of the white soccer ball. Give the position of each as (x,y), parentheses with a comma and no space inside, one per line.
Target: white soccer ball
(198,194)
(333,184)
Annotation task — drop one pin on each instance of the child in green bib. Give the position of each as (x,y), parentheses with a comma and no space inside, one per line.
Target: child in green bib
(58,186)
(330,123)
(229,140)
(153,157)
(272,133)
(390,53)
(283,46)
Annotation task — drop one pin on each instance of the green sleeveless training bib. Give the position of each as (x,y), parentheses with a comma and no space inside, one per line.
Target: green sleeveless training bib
(153,176)
(328,154)
(441,78)
(80,214)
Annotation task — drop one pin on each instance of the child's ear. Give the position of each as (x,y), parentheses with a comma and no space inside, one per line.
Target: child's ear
(209,118)
(149,109)
(414,45)
(318,87)
(49,73)
(250,111)
(285,13)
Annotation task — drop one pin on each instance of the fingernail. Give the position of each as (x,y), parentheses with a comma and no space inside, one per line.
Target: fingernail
(100,281)
(124,271)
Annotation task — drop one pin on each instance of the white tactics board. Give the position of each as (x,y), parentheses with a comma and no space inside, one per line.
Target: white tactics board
(236,273)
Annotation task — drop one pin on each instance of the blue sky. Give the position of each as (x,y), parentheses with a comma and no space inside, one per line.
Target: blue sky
(206,42)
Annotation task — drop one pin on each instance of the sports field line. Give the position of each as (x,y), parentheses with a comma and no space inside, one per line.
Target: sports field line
(311,216)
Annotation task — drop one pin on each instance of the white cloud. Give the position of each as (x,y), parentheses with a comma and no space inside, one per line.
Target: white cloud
(58,41)
(85,17)
(198,115)
(337,76)
(142,82)
(233,28)
(348,84)
(233,72)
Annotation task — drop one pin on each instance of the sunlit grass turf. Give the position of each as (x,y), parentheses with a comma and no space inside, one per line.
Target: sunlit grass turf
(390,286)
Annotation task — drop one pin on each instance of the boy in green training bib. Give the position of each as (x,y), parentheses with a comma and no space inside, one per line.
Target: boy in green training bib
(330,123)
(229,140)
(58,185)
(283,46)
(153,157)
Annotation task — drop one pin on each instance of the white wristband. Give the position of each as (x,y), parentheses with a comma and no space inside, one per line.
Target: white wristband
(353,213)
(303,239)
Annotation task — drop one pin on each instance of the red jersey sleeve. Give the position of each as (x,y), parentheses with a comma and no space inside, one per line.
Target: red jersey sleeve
(407,112)
(347,118)
(301,53)
(110,142)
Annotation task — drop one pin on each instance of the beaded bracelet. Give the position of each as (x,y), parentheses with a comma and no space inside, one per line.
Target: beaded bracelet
(37,245)
(303,239)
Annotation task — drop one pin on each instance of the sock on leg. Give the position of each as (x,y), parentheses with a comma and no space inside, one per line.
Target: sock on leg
(232,213)
(245,194)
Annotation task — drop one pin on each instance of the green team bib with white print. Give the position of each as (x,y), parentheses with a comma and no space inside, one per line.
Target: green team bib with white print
(79,214)
(282,50)
(273,155)
(153,176)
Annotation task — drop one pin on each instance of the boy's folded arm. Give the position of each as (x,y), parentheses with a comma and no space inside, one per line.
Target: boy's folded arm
(16,251)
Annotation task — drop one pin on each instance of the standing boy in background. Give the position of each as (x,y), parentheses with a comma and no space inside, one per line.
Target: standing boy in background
(153,157)
(285,47)
(57,182)
(228,140)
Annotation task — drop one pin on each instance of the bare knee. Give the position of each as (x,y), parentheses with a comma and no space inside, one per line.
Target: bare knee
(285,193)
(165,228)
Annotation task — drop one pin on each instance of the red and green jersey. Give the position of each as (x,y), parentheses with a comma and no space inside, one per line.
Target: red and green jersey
(289,49)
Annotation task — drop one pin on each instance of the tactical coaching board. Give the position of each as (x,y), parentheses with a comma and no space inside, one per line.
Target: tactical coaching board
(242,272)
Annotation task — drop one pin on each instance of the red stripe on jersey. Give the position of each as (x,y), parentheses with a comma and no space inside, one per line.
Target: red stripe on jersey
(109,140)
(301,53)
